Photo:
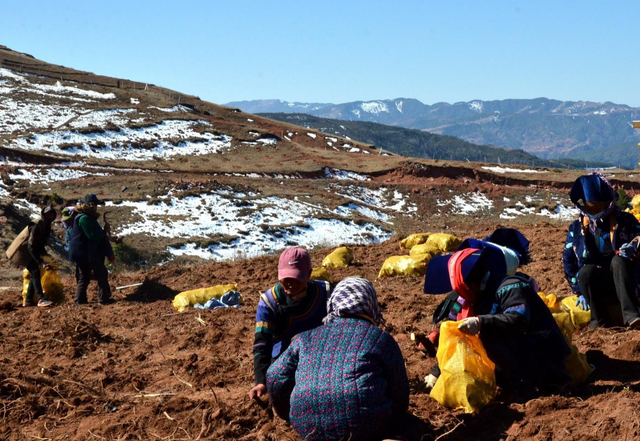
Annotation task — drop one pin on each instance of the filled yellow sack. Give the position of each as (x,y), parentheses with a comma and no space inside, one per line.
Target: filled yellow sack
(424,248)
(51,286)
(444,242)
(579,317)
(405,266)
(320,273)
(26,278)
(635,202)
(414,239)
(467,380)
(576,363)
(187,299)
(339,258)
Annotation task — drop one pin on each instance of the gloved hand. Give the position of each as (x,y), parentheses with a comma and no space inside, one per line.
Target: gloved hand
(627,250)
(470,325)
(582,303)
(430,381)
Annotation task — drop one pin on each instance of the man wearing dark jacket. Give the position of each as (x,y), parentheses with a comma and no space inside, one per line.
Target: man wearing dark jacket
(88,247)
(38,236)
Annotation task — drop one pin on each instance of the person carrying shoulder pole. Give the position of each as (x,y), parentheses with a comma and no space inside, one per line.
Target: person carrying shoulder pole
(38,236)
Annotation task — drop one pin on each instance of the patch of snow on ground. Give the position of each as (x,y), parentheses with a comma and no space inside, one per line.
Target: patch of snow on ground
(381,197)
(502,170)
(176,108)
(255,226)
(476,106)
(101,118)
(22,116)
(467,204)
(59,88)
(249,120)
(347,210)
(312,135)
(344,174)
(354,150)
(134,100)
(45,176)
(118,144)
(375,107)
(268,141)
(399,106)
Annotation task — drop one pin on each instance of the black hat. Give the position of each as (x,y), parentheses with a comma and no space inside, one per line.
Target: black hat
(91,198)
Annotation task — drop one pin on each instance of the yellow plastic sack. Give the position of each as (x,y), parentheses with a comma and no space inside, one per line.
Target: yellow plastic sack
(339,258)
(444,242)
(635,202)
(576,363)
(26,278)
(467,380)
(579,317)
(51,286)
(405,266)
(320,273)
(187,299)
(424,248)
(414,239)
(551,300)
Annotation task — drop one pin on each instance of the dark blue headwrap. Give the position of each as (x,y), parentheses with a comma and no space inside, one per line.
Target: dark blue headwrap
(593,188)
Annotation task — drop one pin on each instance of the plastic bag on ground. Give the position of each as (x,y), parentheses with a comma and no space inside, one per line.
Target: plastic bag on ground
(414,239)
(187,299)
(339,258)
(231,299)
(405,266)
(444,242)
(320,273)
(424,248)
(467,380)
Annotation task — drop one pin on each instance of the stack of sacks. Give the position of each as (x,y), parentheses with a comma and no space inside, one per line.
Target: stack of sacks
(422,246)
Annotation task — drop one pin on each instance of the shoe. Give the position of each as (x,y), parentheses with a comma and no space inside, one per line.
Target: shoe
(75,303)
(634,324)
(44,303)
(107,302)
(27,304)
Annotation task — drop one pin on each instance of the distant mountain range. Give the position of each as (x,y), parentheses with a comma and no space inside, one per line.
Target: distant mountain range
(420,144)
(544,127)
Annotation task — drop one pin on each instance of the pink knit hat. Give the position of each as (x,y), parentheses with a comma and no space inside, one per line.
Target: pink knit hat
(294,263)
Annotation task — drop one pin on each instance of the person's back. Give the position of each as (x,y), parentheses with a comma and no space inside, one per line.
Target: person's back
(343,380)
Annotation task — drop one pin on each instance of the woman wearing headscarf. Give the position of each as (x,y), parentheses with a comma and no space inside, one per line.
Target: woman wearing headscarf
(343,380)
(600,253)
(516,328)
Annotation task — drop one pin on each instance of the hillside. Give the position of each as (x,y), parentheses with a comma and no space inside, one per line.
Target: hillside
(204,194)
(421,144)
(544,127)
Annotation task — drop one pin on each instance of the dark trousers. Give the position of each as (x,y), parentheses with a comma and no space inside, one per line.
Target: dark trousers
(599,283)
(35,285)
(83,276)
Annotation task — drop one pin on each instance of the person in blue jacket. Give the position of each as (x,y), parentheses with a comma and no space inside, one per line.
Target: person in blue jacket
(345,379)
(88,246)
(600,254)
(296,304)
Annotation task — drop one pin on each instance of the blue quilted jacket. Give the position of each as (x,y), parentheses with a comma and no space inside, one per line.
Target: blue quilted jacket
(343,380)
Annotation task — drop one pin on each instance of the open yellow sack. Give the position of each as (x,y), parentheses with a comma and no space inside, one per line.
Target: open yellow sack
(424,248)
(339,258)
(187,299)
(320,273)
(467,380)
(444,242)
(405,266)
(576,363)
(414,239)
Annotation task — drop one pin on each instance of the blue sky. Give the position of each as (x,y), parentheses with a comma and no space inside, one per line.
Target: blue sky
(340,51)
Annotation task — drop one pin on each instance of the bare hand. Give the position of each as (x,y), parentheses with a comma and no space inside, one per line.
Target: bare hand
(257,391)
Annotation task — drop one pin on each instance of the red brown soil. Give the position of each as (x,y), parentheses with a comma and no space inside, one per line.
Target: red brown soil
(136,369)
